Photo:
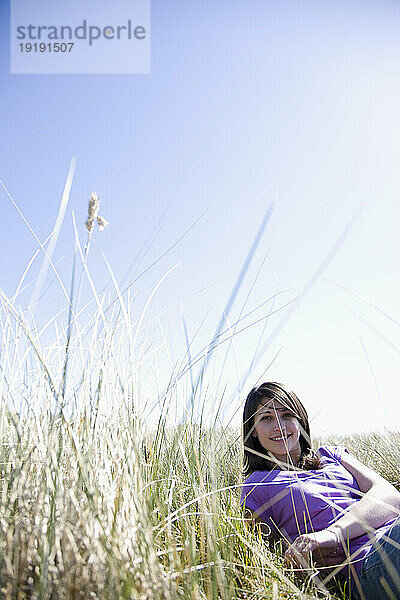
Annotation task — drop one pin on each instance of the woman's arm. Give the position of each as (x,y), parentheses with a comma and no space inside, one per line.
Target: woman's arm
(379,502)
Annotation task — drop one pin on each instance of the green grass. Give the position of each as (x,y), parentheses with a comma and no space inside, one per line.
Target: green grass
(92,508)
(96,504)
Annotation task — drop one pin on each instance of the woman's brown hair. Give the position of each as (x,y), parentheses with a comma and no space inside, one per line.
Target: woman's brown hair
(255,458)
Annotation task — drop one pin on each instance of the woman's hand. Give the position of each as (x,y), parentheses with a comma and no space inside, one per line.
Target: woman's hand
(322,548)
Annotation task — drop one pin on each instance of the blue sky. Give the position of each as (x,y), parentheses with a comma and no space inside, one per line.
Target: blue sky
(247,104)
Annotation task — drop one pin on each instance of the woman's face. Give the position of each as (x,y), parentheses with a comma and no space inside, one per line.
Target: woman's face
(278,431)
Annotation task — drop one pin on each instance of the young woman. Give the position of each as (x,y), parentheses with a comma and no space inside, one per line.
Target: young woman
(331,511)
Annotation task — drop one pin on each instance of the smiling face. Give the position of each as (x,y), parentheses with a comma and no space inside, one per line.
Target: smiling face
(278,431)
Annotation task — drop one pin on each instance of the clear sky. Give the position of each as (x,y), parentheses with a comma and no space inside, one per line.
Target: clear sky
(248,104)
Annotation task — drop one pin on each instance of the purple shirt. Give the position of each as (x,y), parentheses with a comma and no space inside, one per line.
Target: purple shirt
(296,502)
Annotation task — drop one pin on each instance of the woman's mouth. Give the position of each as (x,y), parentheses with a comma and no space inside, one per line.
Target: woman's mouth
(280,438)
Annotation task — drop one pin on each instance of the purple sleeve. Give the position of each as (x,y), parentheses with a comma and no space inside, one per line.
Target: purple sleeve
(331,454)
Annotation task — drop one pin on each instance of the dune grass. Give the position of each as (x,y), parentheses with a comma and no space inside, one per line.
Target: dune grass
(91,508)
(93,504)
(96,504)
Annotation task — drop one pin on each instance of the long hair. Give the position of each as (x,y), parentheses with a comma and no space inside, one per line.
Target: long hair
(255,457)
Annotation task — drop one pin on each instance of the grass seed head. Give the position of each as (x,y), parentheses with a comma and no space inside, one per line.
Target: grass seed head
(93,209)
(93,216)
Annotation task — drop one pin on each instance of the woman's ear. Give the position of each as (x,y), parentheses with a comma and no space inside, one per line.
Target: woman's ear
(254,433)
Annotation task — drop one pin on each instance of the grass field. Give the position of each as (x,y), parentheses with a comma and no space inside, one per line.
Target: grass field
(91,507)
(95,504)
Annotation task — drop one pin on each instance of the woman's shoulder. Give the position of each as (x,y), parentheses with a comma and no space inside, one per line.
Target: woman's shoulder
(331,454)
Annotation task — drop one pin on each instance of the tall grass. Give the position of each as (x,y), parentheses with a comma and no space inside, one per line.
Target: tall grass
(94,503)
